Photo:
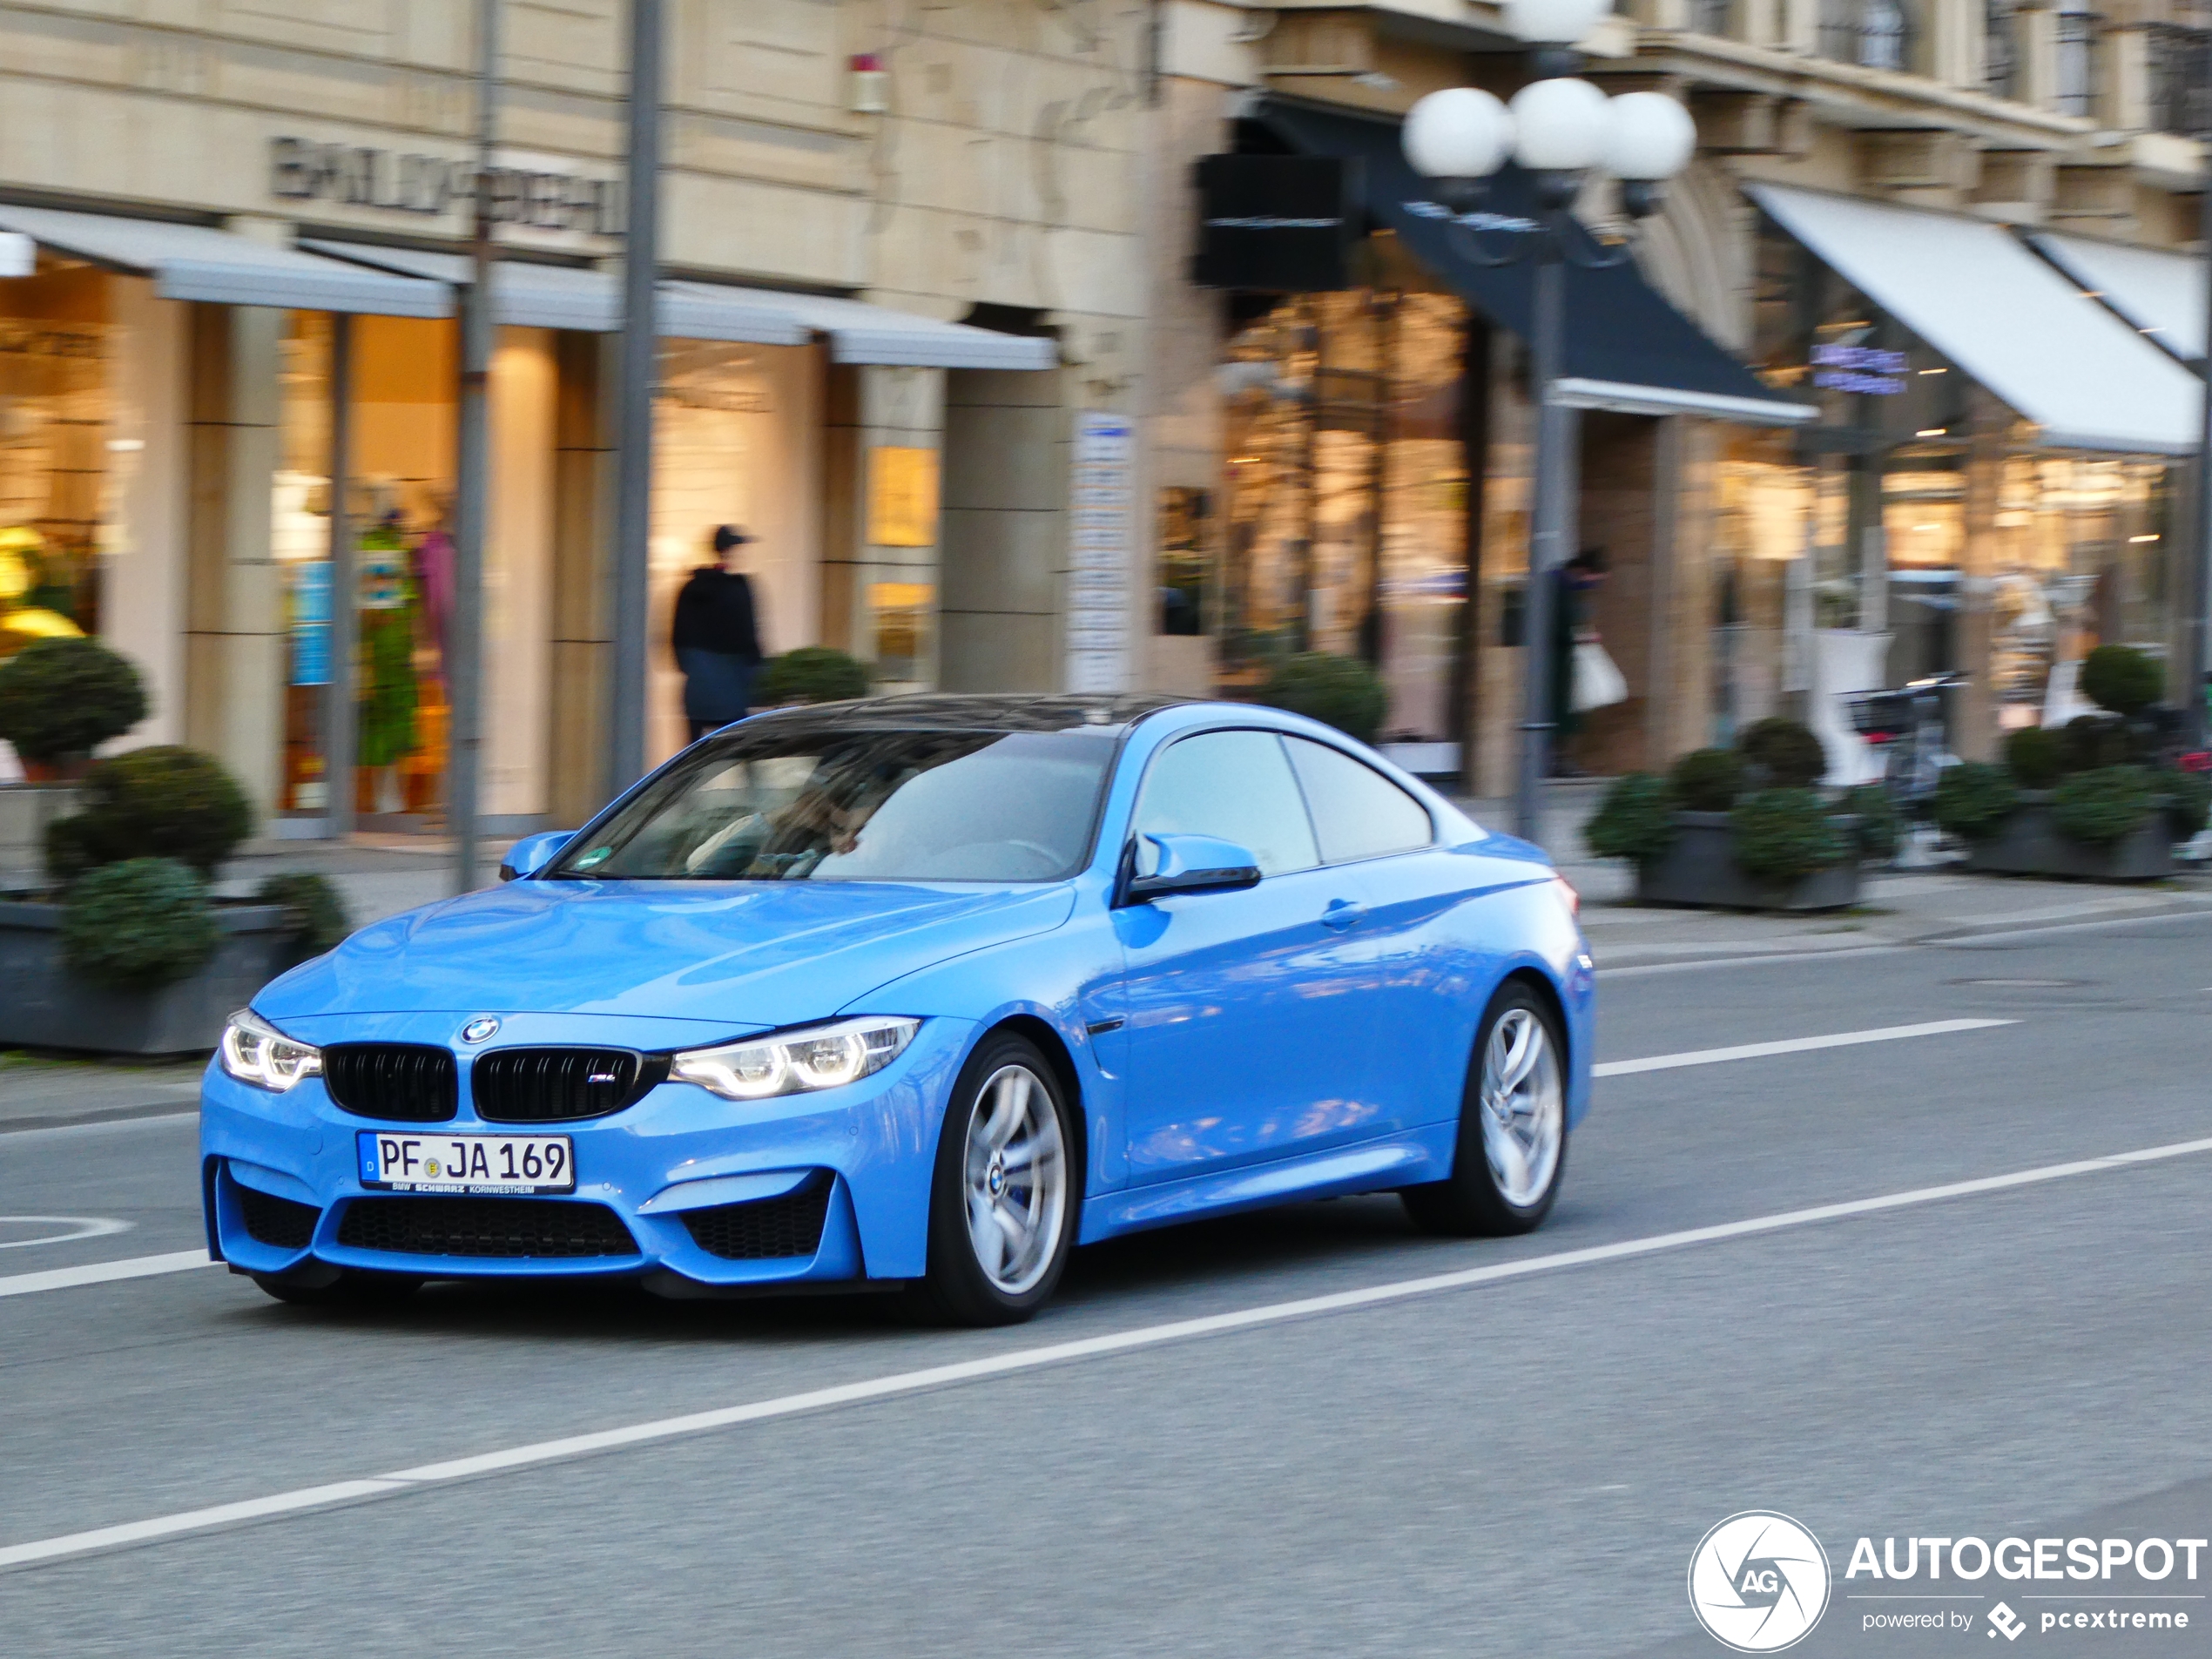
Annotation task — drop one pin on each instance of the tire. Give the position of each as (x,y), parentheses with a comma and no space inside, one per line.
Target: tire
(1506,1168)
(351,1290)
(1004,1193)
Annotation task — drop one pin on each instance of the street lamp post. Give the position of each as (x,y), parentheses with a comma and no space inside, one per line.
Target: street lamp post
(1560,129)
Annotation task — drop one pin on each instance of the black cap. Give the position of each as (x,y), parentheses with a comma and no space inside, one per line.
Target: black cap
(729,536)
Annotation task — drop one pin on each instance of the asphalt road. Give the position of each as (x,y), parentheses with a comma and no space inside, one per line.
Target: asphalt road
(1521,1465)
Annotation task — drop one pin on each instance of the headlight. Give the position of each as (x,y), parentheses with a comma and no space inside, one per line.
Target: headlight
(255,1052)
(795,1061)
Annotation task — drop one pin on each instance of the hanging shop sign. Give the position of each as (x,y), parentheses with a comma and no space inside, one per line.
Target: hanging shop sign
(429,186)
(1859,368)
(1276,224)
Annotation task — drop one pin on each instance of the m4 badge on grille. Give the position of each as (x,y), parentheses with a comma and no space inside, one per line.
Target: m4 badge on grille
(480,1029)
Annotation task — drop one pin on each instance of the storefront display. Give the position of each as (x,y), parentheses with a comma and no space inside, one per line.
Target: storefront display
(56,496)
(1345,523)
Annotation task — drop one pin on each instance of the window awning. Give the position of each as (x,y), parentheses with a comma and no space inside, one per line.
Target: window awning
(1970,290)
(550,296)
(195,262)
(1627,348)
(864,334)
(524,295)
(2160,294)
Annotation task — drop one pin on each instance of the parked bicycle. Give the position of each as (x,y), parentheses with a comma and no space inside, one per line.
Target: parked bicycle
(1907,725)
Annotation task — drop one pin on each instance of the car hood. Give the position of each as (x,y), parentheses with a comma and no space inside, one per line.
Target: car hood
(749,954)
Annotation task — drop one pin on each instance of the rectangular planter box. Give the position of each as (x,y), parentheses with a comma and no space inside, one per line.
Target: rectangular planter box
(25,810)
(2029,843)
(1700,870)
(43,1005)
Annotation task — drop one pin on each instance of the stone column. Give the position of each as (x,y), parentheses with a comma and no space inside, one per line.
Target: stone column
(582,628)
(1004,530)
(234,643)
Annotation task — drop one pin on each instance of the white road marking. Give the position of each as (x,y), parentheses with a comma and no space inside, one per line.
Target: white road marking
(104,1125)
(1024,1359)
(80,1227)
(63,1278)
(1789,1045)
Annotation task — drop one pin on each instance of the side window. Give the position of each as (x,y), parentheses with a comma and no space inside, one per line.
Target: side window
(1358,813)
(1233,785)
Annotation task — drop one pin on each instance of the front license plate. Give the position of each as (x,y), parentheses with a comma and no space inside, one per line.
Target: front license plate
(467,1163)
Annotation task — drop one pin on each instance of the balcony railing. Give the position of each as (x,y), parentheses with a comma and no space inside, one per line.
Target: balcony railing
(1874,34)
(2077,63)
(2001,63)
(2181,79)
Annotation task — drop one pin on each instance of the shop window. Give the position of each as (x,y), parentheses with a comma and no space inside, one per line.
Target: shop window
(1185,559)
(299,539)
(57,464)
(1344,523)
(736,442)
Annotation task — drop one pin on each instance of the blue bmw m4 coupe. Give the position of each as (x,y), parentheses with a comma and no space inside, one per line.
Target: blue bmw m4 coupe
(917,992)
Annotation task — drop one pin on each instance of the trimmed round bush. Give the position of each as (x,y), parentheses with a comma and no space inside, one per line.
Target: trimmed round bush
(1341,692)
(2189,801)
(1972,799)
(1782,754)
(316,909)
(2122,678)
(810,674)
(2092,742)
(1636,820)
(2035,757)
(167,802)
(138,925)
(2102,806)
(1784,835)
(1707,780)
(60,697)
(1877,814)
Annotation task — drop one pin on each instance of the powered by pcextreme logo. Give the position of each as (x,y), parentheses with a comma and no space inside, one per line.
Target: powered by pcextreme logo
(1758,1581)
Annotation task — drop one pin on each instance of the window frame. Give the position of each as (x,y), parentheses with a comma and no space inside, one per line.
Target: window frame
(1283,740)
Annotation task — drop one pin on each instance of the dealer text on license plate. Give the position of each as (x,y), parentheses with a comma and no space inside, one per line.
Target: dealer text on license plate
(467,1163)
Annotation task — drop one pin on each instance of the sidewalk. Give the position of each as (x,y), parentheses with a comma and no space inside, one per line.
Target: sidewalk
(1899,908)
(380,876)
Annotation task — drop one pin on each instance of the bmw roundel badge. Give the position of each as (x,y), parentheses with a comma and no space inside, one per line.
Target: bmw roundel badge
(479,1030)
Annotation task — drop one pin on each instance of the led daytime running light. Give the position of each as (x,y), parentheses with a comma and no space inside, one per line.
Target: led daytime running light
(795,1063)
(255,1052)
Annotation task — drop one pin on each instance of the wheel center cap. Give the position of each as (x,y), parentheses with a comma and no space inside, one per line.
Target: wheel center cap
(996,1181)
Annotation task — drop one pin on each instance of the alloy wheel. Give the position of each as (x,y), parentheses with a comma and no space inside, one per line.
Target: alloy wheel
(1016,1179)
(1524,1109)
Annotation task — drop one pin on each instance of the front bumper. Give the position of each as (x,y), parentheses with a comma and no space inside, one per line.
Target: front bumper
(871,1146)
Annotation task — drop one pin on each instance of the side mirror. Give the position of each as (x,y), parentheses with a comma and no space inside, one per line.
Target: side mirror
(532,853)
(1187,864)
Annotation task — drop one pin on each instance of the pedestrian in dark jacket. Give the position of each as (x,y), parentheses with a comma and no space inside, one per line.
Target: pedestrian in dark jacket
(718,643)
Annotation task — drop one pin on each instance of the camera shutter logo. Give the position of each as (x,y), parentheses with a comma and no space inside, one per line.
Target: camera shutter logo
(1758,1581)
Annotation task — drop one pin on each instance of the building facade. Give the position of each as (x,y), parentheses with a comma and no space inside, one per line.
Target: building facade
(1959,235)
(899,322)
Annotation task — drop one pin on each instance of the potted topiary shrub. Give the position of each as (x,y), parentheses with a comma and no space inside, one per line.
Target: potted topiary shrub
(62,699)
(1341,692)
(810,674)
(1737,828)
(59,700)
(126,953)
(2082,800)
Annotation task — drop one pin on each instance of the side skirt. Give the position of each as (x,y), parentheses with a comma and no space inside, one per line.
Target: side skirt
(1403,1160)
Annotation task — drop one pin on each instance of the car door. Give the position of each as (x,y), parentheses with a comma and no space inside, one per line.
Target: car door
(1244,1039)
(1422,970)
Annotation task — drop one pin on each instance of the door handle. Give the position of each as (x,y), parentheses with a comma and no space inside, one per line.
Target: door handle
(1341,914)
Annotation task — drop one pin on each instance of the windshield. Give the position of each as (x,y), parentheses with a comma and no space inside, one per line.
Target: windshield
(860,806)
